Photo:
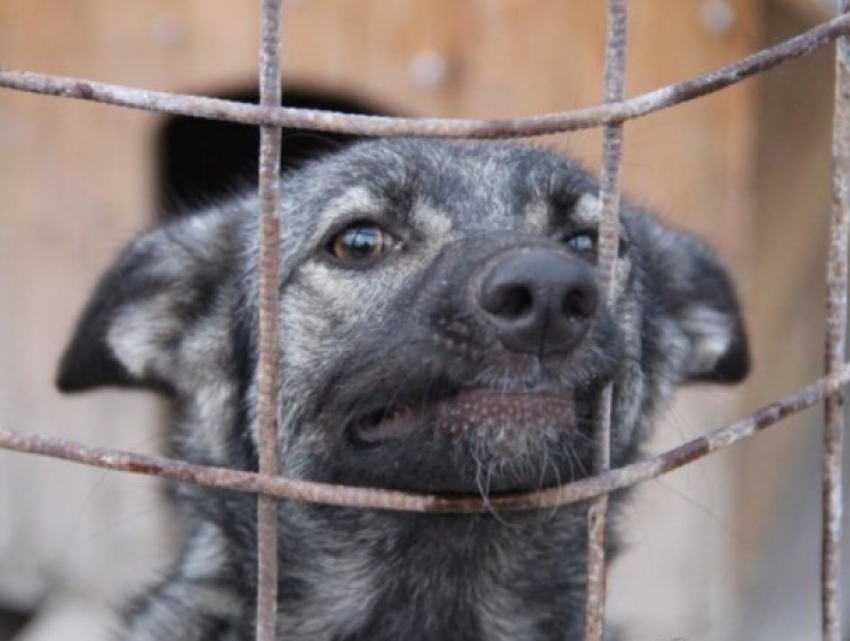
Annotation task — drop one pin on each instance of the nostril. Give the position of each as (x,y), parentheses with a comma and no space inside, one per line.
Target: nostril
(509,301)
(579,302)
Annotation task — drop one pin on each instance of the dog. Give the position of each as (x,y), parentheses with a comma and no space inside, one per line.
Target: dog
(443,330)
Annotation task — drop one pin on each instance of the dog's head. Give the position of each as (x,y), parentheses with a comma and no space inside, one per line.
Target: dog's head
(442,326)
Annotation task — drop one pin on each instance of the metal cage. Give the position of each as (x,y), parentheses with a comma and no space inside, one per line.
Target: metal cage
(270,486)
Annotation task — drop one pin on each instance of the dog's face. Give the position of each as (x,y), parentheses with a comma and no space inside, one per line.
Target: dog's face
(442,326)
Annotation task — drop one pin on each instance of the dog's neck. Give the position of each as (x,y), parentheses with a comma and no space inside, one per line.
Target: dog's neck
(466,578)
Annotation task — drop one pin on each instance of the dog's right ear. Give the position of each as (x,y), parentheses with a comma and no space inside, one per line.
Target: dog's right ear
(694,293)
(161,287)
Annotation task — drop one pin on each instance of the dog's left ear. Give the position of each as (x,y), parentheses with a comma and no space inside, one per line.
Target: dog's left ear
(688,281)
(151,322)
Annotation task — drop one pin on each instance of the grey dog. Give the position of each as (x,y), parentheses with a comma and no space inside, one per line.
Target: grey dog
(443,331)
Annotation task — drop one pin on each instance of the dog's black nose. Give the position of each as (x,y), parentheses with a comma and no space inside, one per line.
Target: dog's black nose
(539,302)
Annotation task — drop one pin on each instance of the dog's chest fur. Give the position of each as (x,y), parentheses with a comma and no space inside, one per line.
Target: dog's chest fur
(430,577)
(443,331)
(452,577)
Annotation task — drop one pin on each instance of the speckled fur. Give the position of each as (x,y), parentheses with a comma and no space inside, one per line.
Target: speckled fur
(177,314)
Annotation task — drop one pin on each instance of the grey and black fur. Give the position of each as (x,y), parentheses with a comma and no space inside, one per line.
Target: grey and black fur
(442,332)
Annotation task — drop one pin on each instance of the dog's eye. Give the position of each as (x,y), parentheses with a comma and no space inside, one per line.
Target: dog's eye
(360,242)
(584,242)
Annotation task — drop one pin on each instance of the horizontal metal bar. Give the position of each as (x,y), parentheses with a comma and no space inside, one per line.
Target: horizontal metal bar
(642,105)
(311,492)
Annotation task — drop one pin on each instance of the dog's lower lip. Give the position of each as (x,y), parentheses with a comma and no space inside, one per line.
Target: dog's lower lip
(392,424)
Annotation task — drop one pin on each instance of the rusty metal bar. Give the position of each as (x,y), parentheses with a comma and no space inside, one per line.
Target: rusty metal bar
(641,105)
(609,243)
(346,496)
(836,333)
(269,302)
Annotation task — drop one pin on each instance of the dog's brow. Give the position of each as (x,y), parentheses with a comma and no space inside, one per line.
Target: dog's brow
(358,201)
(566,209)
(587,210)
(432,221)
(538,214)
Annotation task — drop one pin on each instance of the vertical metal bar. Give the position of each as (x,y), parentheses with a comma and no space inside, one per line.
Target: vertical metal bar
(269,277)
(609,241)
(835,344)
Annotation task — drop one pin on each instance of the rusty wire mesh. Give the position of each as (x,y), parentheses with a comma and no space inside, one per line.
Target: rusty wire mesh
(270,116)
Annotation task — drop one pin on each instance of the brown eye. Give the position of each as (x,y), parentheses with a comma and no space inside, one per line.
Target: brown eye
(361,242)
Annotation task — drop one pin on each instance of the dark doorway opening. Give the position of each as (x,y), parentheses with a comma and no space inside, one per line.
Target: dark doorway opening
(201,161)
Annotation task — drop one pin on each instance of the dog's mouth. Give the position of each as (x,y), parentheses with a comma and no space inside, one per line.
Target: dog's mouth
(498,414)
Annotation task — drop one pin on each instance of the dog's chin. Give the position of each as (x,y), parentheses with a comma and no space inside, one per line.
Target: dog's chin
(471,442)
